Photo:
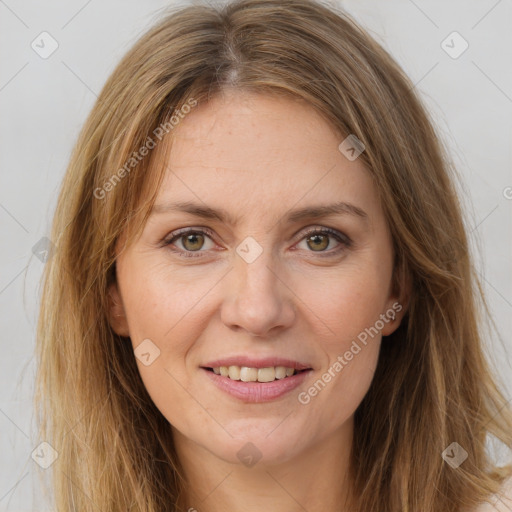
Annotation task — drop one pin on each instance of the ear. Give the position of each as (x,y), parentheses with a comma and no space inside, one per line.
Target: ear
(398,301)
(116,312)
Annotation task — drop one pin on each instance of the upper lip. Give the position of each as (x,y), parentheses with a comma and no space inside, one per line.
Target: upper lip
(254,362)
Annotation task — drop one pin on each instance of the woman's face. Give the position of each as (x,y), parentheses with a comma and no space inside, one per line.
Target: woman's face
(243,284)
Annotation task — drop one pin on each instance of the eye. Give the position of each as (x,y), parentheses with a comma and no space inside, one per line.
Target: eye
(319,240)
(191,240)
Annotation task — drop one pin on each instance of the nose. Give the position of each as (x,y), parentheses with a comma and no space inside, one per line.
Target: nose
(258,299)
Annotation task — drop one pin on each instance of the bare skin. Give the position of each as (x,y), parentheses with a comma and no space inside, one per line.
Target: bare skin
(306,297)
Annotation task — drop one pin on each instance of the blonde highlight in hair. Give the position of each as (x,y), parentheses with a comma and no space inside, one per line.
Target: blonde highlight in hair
(432,384)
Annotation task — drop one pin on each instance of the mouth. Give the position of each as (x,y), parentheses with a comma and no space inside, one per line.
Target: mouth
(256,380)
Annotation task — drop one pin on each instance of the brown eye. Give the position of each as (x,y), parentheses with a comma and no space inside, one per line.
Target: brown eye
(318,242)
(186,242)
(192,242)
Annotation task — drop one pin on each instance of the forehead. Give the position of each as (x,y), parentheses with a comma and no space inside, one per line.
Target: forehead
(250,154)
(235,127)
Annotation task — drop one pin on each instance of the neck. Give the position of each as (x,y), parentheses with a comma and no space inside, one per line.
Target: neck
(316,479)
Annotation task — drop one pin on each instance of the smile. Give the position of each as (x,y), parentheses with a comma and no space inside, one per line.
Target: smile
(254,379)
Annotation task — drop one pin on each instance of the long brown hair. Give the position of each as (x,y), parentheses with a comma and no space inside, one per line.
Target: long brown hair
(433,384)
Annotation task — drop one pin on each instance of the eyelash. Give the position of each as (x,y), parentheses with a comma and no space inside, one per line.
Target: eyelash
(344,240)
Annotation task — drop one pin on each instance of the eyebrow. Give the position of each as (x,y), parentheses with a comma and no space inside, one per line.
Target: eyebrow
(309,212)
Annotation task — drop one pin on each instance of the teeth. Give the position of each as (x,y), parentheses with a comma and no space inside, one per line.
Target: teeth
(266,374)
(246,374)
(280,372)
(234,372)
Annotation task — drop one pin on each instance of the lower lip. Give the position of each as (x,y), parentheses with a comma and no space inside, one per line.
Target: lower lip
(257,392)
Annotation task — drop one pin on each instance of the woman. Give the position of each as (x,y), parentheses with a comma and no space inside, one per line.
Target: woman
(262,294)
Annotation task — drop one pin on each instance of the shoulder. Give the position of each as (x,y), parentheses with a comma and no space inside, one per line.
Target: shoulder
(500,502)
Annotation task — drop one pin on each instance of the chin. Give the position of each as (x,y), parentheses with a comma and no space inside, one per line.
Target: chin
(265,442)
(251,451)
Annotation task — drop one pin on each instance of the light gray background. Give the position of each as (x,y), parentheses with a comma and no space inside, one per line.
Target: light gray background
(44,102)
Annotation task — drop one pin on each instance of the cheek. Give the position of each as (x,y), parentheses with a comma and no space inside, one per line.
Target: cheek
(170,309)
(338,392)
(351,309)
(164,310)
(165,306)
(346,305)
(345,314)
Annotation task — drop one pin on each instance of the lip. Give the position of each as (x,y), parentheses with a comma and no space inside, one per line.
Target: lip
(253,362)
(256,392)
